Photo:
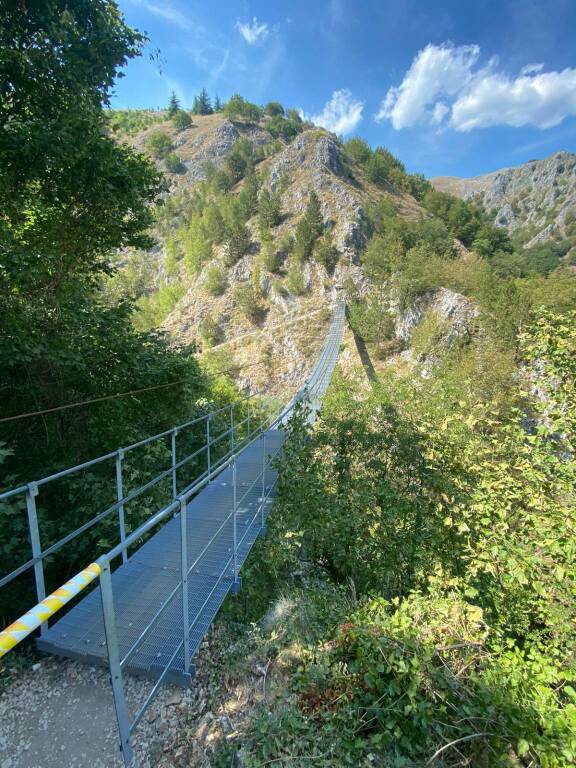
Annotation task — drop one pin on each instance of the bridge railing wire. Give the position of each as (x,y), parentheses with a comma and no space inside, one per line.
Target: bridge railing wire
(236,427)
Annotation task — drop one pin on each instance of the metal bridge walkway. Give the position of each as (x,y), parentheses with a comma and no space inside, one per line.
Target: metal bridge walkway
(141,585)
(150,614)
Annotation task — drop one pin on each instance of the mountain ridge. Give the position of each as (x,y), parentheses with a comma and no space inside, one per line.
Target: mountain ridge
(535,200)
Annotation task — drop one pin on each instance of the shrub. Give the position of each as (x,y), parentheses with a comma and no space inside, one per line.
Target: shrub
(249,303)
(210,331)
(181,120)
(295,279)
(173,163)
(274,108)
(159,144)
(215,281)
(238,108)
(359,150)
(326,253)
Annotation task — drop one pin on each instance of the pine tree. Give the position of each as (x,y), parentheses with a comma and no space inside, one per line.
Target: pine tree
(173,105)
(314,215)
(202,105)
(217,105)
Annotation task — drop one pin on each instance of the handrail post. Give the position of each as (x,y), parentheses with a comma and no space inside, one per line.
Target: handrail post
(120,496)
(232,427)
(248,418)
(184,578)
(174,462)
(208,444)
(31,493)
(114,664)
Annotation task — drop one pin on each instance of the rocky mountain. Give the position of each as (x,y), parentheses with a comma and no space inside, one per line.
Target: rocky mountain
(535,201)
(314,160)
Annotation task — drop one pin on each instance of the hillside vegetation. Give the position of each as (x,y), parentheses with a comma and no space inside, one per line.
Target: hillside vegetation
(413,601)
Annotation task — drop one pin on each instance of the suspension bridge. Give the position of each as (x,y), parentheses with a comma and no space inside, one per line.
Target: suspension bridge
(148,615)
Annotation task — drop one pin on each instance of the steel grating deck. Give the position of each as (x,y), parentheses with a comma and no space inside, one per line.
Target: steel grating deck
(142,585)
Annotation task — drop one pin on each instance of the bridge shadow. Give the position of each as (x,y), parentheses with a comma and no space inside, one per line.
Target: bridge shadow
(363,353)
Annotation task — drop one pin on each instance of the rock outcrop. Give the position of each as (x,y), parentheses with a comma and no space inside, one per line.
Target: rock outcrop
(538,197)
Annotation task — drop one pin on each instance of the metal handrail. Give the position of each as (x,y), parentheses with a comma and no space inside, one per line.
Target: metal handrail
(101,569)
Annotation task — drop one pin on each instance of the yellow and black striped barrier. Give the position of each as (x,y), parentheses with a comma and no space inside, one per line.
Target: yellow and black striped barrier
(36,616)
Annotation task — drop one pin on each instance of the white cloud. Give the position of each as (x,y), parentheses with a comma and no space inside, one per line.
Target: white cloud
(341,114)
(543,100)
(443,86)
(167,12)
(438,70)
(254,32)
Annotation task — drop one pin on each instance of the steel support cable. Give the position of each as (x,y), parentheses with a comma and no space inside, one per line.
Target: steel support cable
(54,602)
(178,382)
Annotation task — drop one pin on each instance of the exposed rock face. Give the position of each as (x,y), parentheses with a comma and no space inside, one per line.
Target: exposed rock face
(539,196)
(453,308)
(314,160)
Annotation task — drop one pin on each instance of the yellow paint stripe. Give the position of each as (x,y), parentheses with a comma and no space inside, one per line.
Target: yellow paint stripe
(26,624)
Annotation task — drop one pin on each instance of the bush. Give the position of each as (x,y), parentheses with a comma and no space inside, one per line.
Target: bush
(215,281)
(295,279)
(326,253)
(274,108)
(159,144)
(181,120)
(249,303)
(173,163)
(238,108)
(210,331)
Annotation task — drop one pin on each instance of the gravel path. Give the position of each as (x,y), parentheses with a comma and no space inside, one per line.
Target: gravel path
(60,714)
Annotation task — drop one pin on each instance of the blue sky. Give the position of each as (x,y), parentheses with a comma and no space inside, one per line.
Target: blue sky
(452,87)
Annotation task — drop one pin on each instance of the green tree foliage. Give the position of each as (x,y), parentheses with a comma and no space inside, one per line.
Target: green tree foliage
(214,223)
(71,197)
(274,109)
(249,302)
(202,104)
(326,253)
(359,150)
(295,279)
(173,105)
(215,281)
(309,228)
(285,128)
(238,241)
(269,210)
(238,109)
(451,521)
(129,122)
(270,256)
(197,246)
(239,161)
(217,104)
(181,120)
(248,197)
(159,144)
(173,163)
(211,332)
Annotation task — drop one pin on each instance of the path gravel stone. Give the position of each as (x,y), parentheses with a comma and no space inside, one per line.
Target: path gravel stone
(61,715)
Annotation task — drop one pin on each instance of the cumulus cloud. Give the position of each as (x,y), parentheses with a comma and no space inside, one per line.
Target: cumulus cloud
(437,71)
(341,114)
(543,100)
(444,86)
(254,32)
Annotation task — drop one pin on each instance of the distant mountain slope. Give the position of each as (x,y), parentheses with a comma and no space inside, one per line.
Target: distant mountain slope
(535,201)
